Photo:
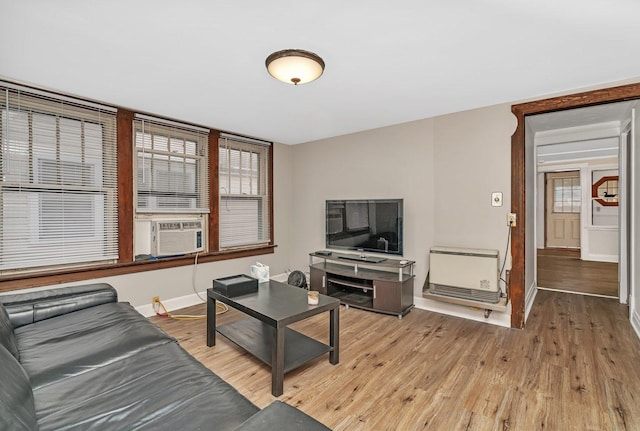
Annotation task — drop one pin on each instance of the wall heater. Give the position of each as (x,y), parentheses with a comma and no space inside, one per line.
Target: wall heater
(464,273)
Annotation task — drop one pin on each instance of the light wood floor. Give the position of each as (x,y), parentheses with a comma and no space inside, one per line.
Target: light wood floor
(562,269)
(576,366)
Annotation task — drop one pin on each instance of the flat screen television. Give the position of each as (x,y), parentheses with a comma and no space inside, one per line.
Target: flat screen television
(373,225)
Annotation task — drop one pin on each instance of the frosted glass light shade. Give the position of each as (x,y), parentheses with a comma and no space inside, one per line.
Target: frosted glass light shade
(295,66)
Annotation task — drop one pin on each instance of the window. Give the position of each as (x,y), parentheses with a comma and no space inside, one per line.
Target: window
(244,192)
(605,194)
(171,166)
(566,195)
(58,182)
(605,189)
(62,215)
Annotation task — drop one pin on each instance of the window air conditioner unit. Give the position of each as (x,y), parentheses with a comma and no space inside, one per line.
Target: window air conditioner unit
(175,237)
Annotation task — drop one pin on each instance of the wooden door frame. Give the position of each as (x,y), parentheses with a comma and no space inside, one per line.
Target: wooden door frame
(518,178)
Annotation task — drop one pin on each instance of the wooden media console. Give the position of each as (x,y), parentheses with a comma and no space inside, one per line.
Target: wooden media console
(383,286)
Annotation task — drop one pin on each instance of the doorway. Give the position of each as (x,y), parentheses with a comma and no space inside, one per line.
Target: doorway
(559,263)
(572,218)
(522,283)
(562,269)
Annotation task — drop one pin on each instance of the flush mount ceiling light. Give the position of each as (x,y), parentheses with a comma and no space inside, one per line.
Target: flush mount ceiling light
(295,66)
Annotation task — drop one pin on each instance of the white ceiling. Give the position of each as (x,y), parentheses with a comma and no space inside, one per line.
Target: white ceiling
(387,62)
(571,118)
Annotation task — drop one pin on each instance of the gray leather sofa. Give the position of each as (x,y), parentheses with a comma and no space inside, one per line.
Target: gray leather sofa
(76,359)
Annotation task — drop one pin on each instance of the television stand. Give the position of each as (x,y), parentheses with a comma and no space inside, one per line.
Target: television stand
(383,285)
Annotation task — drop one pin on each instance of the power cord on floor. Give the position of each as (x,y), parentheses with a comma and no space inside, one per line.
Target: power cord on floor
(504,262)
(157,304)
(193,278)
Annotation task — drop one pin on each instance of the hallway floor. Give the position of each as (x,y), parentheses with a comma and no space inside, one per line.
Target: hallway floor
(562,269)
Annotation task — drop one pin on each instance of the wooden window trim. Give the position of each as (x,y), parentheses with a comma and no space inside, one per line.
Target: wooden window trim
(126,263)
(125,184)
(24,281)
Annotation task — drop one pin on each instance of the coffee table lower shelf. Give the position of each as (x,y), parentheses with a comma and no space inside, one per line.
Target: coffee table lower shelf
(256,338)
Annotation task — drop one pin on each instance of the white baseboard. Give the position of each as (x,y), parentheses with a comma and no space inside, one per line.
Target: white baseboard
(172,304)
(189,300)
(495,318)
(613,258)
(282,278)
(635,323)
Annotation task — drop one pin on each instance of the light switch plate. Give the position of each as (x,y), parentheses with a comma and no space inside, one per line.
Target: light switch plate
(496,199)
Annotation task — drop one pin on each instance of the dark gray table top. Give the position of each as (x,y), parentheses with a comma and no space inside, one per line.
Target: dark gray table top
(277,303)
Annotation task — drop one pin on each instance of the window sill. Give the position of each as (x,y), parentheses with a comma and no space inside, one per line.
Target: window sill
(25,281)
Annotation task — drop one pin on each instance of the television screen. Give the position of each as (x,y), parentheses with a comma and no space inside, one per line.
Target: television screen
(373,225)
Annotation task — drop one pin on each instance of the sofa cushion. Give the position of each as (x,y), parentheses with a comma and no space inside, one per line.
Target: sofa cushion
(30,307)
(7,337)
(282,417)
(17,410)
(161,388)
(75,343)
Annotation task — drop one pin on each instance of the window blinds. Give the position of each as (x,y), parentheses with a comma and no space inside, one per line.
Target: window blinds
(171,165)
(244,192)
(58,181)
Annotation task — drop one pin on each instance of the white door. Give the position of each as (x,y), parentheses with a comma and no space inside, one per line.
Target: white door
(563,202)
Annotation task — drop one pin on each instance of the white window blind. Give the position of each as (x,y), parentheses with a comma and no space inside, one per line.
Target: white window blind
(58,181)
(244,192)
(172,169)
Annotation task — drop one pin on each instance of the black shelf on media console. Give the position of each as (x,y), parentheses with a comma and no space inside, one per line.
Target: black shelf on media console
(355,299)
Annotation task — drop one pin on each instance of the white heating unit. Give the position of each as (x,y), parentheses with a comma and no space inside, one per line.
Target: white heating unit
(464,273)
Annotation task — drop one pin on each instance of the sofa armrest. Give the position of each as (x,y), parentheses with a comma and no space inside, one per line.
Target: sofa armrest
(282,417)
(26,308)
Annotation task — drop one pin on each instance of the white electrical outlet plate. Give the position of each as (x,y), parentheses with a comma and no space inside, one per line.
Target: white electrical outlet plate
(511,220)
(496,199)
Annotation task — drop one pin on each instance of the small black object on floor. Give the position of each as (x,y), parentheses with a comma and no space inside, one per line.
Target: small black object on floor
(298,279)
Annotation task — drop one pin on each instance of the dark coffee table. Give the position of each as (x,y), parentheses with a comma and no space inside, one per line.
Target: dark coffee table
(265,334)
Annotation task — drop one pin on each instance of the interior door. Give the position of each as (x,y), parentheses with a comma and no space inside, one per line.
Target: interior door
(562,213)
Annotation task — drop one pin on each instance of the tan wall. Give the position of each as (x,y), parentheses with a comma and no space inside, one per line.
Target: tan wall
(390,162)
(445,168)
(473,159)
